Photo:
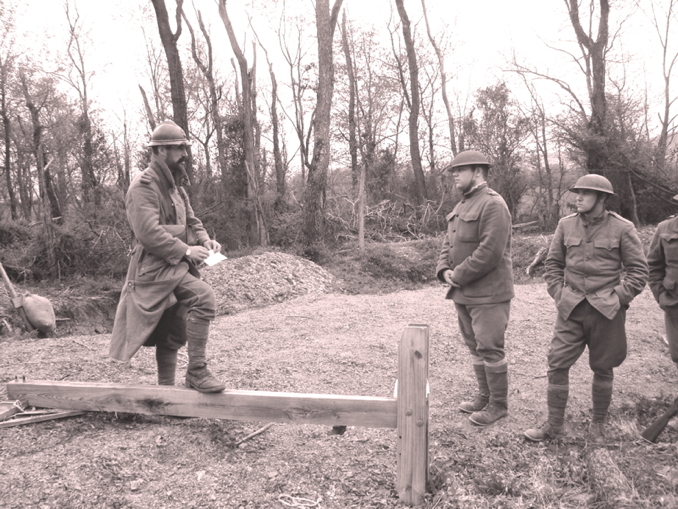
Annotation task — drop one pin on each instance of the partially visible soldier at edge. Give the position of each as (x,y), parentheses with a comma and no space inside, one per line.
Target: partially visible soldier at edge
(583,275)
(475,260)
(662,260)
(164,303)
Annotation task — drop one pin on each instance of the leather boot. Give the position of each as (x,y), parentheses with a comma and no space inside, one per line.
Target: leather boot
(198,377)
(497,408)
(166,359)
(556,398)
(483,396)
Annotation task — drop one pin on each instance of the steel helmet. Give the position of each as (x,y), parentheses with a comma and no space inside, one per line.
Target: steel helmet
(593,182)
(469,158)
(168,133)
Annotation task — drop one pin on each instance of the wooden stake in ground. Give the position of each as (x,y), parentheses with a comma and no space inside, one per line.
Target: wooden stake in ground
(17,301)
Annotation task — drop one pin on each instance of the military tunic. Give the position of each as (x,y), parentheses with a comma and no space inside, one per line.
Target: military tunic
(663,263)
(477,249)
(584,277)
(163,227)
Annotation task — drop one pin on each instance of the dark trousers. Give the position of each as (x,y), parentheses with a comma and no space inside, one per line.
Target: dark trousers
(195,302)
(587,327)
(483,327)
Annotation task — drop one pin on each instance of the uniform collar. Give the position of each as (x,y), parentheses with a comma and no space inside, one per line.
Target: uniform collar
(475,189)
(595,220)
(162,170)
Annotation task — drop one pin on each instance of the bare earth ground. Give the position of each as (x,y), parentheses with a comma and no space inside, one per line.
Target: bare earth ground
(341,344)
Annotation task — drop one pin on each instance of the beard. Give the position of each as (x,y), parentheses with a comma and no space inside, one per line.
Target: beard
(177,166)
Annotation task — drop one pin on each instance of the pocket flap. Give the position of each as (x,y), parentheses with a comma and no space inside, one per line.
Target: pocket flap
(669,237)
(572,241)
(470,215)
(606,243)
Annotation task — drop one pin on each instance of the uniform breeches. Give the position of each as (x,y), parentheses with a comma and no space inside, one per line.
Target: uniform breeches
(483,327)
(196,302)
(586,326)
(197,297)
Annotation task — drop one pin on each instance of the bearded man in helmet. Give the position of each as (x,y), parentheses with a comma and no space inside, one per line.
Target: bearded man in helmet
(584,276)
(475,260)
(164,303)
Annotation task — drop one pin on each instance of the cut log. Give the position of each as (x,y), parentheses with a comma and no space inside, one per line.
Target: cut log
(231,404)
(608,482)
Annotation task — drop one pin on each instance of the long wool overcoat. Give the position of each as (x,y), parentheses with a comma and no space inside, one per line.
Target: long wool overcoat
(163,226)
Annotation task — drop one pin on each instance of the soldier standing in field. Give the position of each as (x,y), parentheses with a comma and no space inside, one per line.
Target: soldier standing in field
(475,260)
(662,260)
(164,303)
(584,276)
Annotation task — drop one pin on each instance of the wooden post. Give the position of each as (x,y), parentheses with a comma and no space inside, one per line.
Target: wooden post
(408,413)
(412,426)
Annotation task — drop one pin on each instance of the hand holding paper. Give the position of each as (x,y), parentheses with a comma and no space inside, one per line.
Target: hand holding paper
(214,258)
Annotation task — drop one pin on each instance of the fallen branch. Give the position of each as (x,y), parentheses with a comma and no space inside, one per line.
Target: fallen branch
(538,259)
(81,344)
(39,418)
(252,435)
(520,225)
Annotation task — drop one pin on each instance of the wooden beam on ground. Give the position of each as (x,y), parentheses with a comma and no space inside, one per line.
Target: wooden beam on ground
(263,406)
(412,470)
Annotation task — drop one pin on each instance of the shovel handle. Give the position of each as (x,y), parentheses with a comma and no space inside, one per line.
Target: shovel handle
(15,299)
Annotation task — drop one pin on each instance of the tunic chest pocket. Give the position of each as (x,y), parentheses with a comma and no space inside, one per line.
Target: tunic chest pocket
(607,255)
(572,242)
(467,227)
(670,245)
(573,251)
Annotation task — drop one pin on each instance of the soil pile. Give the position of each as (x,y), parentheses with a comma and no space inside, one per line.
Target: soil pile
(261,280)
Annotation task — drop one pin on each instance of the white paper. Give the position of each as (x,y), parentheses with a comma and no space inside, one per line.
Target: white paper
(214,258)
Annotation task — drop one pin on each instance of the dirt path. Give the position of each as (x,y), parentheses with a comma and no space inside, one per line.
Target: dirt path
(337,344)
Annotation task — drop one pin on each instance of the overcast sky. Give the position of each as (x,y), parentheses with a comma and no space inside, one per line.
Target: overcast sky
(484,33)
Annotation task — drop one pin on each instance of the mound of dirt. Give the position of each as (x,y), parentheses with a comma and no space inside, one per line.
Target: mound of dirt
(260,280)
(240,283)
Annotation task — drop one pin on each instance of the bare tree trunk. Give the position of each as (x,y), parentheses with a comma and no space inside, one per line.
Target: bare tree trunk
(280,167)
(169,42)
(352,142)
(24,183)
(77,57)
(7,138)
(314,194)
(207,69)
(594,57)
(668,63)
(248,120)
(443,80)
(419,180)
(46,206)
(147,107)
